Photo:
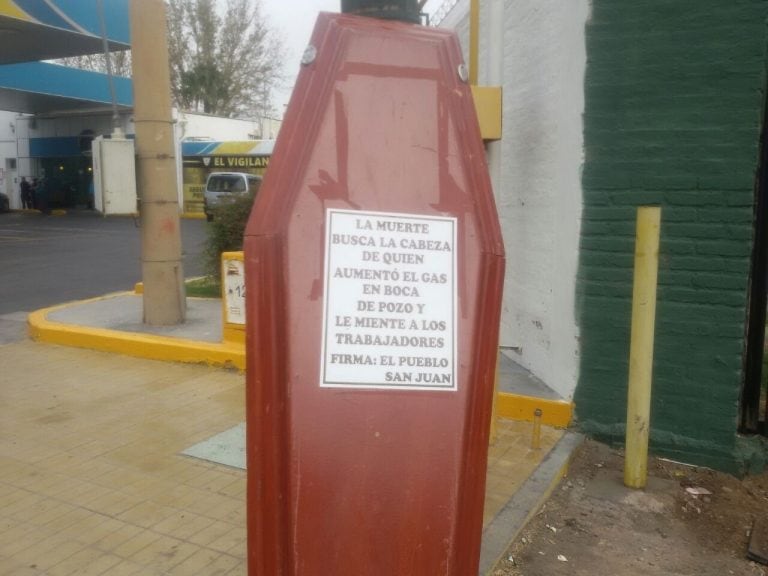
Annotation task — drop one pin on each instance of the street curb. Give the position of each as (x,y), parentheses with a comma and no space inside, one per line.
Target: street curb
(137,344)
(526,502)
(557,413)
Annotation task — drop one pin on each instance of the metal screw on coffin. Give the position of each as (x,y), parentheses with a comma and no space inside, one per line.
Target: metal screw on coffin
(310,53)
(536,440)
(463,72)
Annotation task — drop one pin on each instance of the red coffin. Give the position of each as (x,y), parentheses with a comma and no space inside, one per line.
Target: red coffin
(374,264)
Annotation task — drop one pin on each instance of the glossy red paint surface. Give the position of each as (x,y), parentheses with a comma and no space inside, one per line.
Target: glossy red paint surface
(349,482)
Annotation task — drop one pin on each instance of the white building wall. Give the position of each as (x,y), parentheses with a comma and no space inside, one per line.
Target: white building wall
(17,130)
(204,127)
(8,154)
(538,188)
(73,125)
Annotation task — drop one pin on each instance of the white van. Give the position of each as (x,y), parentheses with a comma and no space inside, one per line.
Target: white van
(221,185)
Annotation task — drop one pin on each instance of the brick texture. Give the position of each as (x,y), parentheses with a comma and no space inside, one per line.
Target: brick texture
(674,99)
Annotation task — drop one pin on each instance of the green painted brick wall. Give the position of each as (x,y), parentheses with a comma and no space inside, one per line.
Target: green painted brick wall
(673,107)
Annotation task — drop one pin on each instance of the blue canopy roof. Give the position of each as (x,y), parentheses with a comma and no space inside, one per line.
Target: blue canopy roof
(48,29)
(34,30)
(41,87)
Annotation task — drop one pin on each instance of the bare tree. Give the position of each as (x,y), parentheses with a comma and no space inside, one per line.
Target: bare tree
(121,62)
(225,59)
(223,62)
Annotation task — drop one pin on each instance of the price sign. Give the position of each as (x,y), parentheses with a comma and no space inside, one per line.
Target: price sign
(234,291)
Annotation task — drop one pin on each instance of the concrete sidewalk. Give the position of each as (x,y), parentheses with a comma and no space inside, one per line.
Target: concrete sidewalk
(96,475)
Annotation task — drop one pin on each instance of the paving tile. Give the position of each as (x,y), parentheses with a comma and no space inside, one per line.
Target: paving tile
(182,525)
(18,539)
(147,514)
(231,539)
(94,528)
(91,477)
(102,564)
(18,506)
(72,519)
(224,565)
(74,564)
(240,548)
(118,537)
(110,503)
(164,553)
(49,510)
(43,557)
(197,563)
(211,533)
(135,544)
(9,567)
(126,568)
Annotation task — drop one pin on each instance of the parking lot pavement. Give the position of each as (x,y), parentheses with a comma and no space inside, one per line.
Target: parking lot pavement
(48,260)
(13,327)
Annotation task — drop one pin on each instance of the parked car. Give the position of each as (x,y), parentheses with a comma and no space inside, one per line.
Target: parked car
(222,185)
(5,204)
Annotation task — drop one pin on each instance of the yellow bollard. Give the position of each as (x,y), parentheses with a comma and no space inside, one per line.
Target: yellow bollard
(536,440)
(641,346)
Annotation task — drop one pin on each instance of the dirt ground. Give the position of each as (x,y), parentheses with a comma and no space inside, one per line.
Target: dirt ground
(593,525)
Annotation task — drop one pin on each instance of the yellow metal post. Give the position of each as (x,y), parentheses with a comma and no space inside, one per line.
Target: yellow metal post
(641,345)
(474,40)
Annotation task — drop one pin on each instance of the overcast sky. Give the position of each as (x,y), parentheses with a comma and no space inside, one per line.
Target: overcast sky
(294,21)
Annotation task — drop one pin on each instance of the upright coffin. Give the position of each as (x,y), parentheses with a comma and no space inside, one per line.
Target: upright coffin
(374,268)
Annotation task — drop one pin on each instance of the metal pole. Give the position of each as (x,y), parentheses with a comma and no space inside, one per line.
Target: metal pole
(116,128)
(162,273)
(495,75)
(474,40)
(641,346)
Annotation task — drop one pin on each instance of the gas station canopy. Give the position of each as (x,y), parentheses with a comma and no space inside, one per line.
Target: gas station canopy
(33,30)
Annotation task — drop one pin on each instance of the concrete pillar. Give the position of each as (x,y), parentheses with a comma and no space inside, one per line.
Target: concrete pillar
(162,273)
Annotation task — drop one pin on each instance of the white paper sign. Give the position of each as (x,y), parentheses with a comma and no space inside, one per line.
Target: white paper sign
(389,317)
(234,291)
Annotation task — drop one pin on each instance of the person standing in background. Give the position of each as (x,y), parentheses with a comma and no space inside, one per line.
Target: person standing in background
(27,202)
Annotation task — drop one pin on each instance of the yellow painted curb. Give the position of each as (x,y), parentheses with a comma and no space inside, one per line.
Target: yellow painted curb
(193,215)
(138,288)
(136,344)
(557,413)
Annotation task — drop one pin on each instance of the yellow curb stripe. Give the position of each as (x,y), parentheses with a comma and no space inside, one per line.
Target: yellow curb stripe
(193,215)
(138,288)
(556,413)
(132,343)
